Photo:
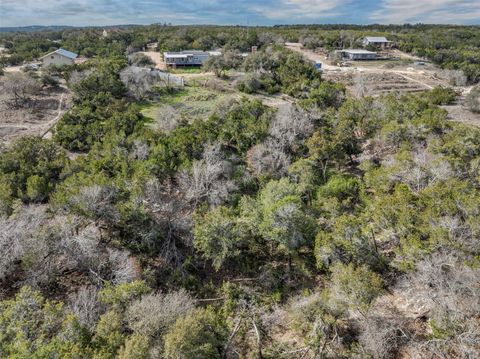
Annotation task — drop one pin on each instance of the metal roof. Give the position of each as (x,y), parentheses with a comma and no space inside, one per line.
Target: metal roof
(358,51)
(376,39)
(194,52)
(63,52)
(176,55)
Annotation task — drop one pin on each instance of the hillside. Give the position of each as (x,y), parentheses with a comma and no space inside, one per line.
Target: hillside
(251,207)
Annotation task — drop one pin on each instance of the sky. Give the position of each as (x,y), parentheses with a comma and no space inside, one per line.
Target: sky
(241,12)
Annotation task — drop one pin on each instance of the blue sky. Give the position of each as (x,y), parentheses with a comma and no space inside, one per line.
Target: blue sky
(244,12)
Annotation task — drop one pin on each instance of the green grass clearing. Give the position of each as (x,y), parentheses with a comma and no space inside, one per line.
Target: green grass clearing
(186,70)
(186,105)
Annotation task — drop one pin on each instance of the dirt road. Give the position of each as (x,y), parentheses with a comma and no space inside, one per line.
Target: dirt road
(156,57)
(53,121)
(12,69)
(313,56)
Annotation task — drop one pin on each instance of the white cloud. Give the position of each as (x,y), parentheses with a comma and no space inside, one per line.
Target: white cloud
(301,9)
(427,11)
(112,12)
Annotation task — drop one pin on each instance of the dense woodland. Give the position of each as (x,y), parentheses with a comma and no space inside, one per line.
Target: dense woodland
(341,228)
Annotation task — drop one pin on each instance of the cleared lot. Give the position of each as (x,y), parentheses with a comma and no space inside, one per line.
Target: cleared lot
(36,117)
(379,77)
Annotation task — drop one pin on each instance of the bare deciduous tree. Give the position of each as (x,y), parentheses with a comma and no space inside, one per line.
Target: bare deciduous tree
(20,86)
(140,150)
(83,251)
(77,76)
(267,159)
(153,314)
(122,266)
(137,80)
(384,333)
(423,169)
(447,290)
(291,126)
(141,81)
(96,202)
(171,213)
(360,86)
(17,237)
(210,178)
(86,306)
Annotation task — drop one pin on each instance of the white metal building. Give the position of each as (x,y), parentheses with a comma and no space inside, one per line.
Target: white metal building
(379,41)
(59,57)
(188,57)
(358,54)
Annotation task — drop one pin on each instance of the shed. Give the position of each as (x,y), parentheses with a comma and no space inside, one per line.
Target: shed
(60,57)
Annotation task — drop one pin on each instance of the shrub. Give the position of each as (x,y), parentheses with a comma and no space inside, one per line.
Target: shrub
(250,83)
(217,236)
(49,80)
(254,83)
(137,346)
(122,294)
(140,60)
(200,334)
(327,94)
(34,327)
(442,96)
(30,169)
(356,287)
(472,101)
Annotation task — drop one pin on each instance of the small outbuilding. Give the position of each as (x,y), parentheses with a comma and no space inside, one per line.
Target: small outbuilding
(377,41)
(58,57)
(357,54)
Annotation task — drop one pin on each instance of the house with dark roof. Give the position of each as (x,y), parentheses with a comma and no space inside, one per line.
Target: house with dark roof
(378,41)
(60,57)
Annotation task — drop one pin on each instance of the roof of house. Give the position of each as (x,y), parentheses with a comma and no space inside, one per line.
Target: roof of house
(359,51)
(195,52)
(186,53)
(175,55)
(376,39)
(63,52)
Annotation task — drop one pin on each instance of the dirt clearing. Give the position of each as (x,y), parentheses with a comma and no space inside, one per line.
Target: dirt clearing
(381,76)
(36,117)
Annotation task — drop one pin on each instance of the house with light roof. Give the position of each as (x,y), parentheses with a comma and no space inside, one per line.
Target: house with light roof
(377,41)
(60,57)
(188,57)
